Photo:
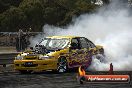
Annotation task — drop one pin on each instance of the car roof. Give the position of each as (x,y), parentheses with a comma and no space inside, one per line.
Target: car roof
(62,37)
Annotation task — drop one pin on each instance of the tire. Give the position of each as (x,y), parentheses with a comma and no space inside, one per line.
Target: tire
(25,71)
(62,65)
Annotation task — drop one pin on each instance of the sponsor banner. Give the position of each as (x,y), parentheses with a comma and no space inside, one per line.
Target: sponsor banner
(107,78)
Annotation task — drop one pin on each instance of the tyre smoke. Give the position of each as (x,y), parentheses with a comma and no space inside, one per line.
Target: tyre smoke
(110,27)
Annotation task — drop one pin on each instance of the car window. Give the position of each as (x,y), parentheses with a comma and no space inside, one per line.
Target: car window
(83,43)
(75,40)
(55,43)
(58,43)
(91,44)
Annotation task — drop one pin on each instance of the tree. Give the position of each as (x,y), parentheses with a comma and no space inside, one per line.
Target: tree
(12,19)
(25,14)
(106,2)
(33,9)
(6,4)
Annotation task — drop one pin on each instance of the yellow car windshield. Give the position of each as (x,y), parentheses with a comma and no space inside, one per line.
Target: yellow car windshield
(55,43)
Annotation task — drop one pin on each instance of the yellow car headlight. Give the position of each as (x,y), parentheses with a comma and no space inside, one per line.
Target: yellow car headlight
(19,57)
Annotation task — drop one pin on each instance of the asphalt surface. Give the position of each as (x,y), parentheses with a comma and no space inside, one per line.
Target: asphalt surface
(53,80)
(11,79)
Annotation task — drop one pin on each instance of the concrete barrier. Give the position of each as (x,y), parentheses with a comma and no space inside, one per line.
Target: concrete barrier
(7,58)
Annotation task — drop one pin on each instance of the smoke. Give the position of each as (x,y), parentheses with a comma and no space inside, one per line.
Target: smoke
(118,51)
(110,27)
(35,40)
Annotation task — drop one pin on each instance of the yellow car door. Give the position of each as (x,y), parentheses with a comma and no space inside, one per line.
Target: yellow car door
(86,55)
(75,54)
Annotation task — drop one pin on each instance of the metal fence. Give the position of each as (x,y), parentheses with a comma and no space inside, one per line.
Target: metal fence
(7,58)
(9,38)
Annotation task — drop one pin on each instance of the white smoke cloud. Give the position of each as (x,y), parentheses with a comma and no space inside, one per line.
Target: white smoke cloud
(35,40)
(111,27)
(118,51)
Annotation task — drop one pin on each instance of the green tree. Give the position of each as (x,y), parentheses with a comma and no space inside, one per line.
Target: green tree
(6,4)
(34,14)
(12,19)
(106,2)
(33,9)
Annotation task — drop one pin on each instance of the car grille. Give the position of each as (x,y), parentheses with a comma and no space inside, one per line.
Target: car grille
(29,64)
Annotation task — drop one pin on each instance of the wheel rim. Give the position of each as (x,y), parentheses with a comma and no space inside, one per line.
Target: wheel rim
(62,66)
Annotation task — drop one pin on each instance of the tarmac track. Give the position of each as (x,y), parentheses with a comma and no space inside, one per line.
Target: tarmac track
(52,80)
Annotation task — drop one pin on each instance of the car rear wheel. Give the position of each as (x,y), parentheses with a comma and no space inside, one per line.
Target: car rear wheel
(62,65)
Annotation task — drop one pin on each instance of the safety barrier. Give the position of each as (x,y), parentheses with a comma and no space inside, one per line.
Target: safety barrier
(7,58)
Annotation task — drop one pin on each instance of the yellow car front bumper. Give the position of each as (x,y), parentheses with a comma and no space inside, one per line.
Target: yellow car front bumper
(50,64)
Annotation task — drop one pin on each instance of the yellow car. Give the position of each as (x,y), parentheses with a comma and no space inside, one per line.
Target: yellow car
(57,53)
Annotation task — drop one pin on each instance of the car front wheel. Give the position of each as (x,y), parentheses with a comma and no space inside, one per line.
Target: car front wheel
(62,65)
